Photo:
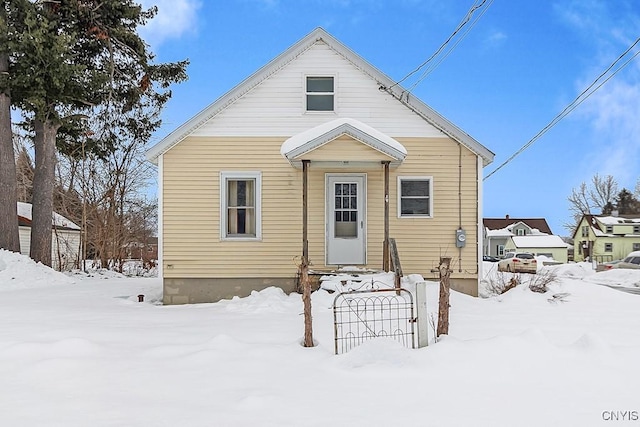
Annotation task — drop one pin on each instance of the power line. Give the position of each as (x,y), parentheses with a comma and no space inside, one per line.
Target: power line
(465,20)
(435,65)
(584,95)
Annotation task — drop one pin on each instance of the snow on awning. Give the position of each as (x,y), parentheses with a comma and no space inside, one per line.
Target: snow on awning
(294,148)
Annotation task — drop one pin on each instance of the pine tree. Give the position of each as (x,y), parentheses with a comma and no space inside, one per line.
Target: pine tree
(626,203)
(79,60)
(9,237)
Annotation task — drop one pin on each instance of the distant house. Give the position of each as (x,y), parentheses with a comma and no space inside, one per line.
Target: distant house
(539,244)
(606,238)
(498,231)
(317,155)
(65,244)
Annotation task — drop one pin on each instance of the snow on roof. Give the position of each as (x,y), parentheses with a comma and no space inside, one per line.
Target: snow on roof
(613,220)
(317,136)
(502,232)
(24,210)
(539,241)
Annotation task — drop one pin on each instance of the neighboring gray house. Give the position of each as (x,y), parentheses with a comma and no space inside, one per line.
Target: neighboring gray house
(65,244)
(498,232)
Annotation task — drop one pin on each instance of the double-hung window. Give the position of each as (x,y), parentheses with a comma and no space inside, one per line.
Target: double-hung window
(415,196)
(320,93)
(240,205)
(608,247)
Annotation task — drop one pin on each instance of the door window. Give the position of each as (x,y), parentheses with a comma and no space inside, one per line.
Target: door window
(346,210)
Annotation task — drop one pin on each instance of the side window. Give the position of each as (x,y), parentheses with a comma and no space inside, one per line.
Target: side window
(609,229)
(320,93)
(636,229)
(636,247)
(414,196)
(240,205)
(608,247)
(500,250)
(585,231)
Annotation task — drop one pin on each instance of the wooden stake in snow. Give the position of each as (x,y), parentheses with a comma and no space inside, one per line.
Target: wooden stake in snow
(443,307)
(306,300)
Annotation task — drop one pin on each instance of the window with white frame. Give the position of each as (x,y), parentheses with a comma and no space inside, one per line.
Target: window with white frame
(500,250)
(415,196)
(320,93)
(520,232)
(240,205)
(585,231)
(636,247)
(609,229)
(636,229)
(608,247)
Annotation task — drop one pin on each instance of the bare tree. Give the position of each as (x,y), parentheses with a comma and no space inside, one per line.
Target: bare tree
(598,197)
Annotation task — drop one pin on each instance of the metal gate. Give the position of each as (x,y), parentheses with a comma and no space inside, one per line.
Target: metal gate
(362,315)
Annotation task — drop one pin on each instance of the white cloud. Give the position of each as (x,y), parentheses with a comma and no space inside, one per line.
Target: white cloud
(495,38)
(614,115)
(174,19)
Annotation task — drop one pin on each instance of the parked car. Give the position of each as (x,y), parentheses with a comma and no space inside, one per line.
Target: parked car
(489,258)
(518,262)
(631,261)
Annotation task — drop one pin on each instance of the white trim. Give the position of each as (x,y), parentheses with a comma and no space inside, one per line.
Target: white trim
(480,224)
(160,260)
(365,197)
(399,194)
(304,142)
(224,175)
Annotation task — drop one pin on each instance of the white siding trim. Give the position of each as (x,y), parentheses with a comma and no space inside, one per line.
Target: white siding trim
(160,260)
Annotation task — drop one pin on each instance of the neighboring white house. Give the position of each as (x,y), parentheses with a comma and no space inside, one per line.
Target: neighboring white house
(539,244)
(65,244)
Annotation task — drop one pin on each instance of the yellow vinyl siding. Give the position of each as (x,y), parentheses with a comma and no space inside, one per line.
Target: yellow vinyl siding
(348,149)
(191,207)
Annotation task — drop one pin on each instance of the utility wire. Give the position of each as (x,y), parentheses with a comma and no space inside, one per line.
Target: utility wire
(590,90)
(435,65)
(466,19)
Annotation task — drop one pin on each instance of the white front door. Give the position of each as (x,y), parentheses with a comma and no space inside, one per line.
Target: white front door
(346,221)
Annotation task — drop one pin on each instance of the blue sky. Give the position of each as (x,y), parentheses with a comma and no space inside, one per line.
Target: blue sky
(519,66)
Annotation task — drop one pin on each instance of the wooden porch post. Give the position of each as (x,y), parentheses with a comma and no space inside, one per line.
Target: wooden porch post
(385,248)
(305,190)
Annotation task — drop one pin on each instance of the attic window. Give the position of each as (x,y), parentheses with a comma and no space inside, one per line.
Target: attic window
(320,93)
(609,229)
(520,232)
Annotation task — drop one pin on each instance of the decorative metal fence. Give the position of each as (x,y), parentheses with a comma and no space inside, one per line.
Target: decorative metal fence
(363,315)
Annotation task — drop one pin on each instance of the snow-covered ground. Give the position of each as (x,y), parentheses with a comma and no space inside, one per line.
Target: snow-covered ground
(82,351)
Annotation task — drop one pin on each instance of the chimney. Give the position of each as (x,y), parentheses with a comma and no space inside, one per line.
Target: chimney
(506,216)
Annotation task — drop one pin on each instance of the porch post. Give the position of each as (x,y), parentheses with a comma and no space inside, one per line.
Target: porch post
(385,248)
(305,242)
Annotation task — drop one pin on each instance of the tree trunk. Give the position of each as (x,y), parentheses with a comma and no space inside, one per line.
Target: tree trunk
(43,184)
(306,300)
(443,307)
(9,237)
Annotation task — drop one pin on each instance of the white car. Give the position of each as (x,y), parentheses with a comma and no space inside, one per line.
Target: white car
(518,262)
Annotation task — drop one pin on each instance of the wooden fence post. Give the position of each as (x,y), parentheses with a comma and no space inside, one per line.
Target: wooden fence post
(443,306)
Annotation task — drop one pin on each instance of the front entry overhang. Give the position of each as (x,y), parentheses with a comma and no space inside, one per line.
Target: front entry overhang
(343,142)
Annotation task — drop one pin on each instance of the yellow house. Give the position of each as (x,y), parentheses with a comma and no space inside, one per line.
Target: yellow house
(604,238)
(317,154)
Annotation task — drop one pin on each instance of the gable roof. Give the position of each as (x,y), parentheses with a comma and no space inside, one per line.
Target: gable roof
(58,221)
(319,34)
(318,136)
(500,223)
